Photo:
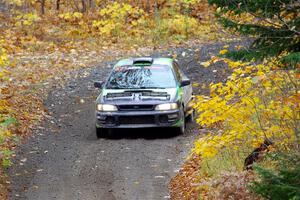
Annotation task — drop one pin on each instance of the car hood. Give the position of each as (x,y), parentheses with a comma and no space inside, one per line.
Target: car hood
(140,96)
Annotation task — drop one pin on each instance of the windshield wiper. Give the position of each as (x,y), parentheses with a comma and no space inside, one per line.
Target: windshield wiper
(116,87)
(151,88)
(136,88)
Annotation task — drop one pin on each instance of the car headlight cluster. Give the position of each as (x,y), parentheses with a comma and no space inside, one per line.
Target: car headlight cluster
(160,107)
(106,107)
(167,106)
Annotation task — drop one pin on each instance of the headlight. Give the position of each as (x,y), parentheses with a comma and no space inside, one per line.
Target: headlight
(167,106)
(106,107)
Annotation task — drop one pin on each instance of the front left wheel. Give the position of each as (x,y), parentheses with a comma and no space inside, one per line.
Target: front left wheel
(181,129)
(191,117)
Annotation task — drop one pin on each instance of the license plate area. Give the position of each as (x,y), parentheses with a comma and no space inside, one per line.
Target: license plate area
(143,119)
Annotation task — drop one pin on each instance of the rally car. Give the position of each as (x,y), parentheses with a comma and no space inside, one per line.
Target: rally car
(143,93)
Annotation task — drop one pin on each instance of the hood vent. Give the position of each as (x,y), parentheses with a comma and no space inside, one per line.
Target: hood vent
(143,61)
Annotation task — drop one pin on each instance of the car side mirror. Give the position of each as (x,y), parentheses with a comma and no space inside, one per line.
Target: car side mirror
(185,83)
(98,84)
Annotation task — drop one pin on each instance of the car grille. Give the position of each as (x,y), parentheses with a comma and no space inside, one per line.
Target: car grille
(135,107)
(147,119)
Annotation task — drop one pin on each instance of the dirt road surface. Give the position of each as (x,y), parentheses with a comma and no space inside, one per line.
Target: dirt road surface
(64,160)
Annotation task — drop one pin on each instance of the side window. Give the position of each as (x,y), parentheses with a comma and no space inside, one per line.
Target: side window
(177,71)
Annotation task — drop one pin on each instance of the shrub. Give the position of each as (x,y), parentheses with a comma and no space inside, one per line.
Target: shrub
(5,119)
(257,102)
(118,19)
(282,182)
(27,19)
(71,17)
(182,25)
(274,24)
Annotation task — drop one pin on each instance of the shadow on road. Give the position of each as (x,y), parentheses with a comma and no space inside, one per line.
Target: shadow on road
(137,133)
(145,133)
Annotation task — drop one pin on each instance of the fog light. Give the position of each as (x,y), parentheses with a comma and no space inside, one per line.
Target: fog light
(101,117)
(163,119)
(110,120)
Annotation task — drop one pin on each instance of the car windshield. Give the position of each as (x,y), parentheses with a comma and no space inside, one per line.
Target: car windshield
(141,77)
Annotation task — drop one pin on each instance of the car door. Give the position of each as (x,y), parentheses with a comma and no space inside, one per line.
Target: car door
(187,90)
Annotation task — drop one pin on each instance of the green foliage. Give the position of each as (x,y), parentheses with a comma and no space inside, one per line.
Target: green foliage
(8,121)
(292,59)
(6,154)
(5,134)
(275,24)
(241,54)
(282,182)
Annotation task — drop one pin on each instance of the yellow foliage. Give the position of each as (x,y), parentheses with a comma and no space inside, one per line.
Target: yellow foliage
(195,84)
(205,64)
(181,24)
(257,102)
(224,51)
(191,2)
(71,17)
(15,2)
(27,19)
(3,62)
(5,133)
(118,18)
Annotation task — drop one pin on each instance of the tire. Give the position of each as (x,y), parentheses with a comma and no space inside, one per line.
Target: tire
(101,132)
(191,117)
(181,130)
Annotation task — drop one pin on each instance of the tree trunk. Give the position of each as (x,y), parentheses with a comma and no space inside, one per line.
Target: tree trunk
(57,4)
(148,6)
(83,5)
(91,4)
(257,154)
(42,6)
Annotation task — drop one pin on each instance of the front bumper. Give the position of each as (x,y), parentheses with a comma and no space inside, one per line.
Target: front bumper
(138,119)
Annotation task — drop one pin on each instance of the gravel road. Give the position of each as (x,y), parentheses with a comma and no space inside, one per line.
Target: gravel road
(64,160)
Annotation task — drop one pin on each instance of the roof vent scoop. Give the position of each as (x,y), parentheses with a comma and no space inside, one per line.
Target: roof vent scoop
(145,60)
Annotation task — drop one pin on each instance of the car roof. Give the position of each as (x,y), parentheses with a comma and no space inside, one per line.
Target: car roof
(150,60)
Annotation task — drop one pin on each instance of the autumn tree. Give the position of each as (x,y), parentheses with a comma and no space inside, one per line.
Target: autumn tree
(274,24)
